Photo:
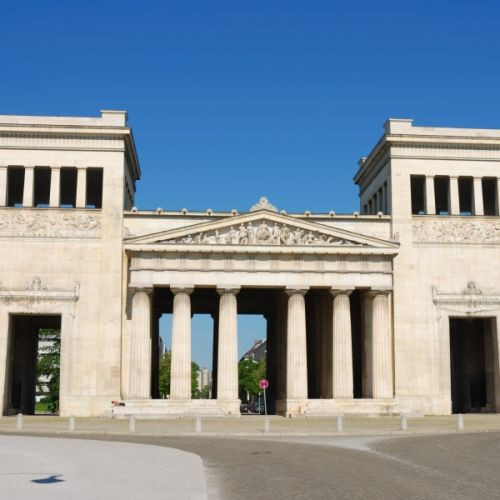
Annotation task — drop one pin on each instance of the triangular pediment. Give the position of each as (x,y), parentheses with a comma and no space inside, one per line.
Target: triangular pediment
(261,228)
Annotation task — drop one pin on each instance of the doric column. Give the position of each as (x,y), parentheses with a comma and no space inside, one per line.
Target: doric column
(3,186)
(454,203)
(366,352)
(381,345)
(227,357)
(478,196)
(29,173)
(55,187)
(342,375)
(296,358)
(140,345)
(81,187)
(180,369)
(430,197)
(497,198)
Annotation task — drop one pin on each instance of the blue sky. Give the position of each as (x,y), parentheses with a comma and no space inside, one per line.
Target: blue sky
(233,100)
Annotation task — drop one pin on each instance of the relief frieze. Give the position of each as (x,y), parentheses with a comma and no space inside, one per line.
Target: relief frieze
(49,224)
(456,231)
(262,233)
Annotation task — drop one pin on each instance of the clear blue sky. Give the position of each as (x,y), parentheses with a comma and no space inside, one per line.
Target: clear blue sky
(232,100)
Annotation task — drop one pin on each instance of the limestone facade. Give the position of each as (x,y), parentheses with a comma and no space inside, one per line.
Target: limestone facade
(393,309)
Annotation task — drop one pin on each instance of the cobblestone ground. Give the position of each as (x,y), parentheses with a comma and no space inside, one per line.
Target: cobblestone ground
(255,425)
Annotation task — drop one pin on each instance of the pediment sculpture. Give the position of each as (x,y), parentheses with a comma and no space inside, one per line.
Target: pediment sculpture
(262,233)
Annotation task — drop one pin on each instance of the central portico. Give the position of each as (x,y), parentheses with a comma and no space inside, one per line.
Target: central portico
(323,290)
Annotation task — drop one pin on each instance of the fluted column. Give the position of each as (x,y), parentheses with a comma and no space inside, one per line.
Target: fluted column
(430,197)
(81,188)
(3,186)
(454,203)
(342,375)
(497,200)
(296,355)
(180,368)
(366,353)
(140,345)
(478,196)
(227,360)
(381,346)
(55,187)
(28,190)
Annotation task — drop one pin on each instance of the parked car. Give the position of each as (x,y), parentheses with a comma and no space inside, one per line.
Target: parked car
(244,408)
(258,408)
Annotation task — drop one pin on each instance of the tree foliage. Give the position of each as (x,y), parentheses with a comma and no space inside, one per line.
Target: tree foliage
(48,366)
(249,374)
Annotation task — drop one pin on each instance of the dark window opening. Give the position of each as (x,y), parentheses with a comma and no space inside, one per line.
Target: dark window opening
(94,188)
(465,195)
(417,194)
(15,186)
(42,187)
(441,193)
(489,196)
(34,365)
(68,187)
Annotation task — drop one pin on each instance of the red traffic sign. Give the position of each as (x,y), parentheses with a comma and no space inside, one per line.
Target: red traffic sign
(263,384)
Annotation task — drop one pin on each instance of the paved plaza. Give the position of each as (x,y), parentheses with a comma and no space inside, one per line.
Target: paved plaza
(44,468)
(428,464)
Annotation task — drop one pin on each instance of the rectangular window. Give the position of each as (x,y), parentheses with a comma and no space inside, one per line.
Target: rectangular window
(489,195)
(42,186)
(417,183)
(465,195)
(442,194)
(94,188)
(15,186)
(68,187)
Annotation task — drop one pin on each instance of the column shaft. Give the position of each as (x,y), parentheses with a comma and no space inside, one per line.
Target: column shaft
(296,377)
(180,369)
(454,203)
(55,187)
(430,197)
(478,196)
(497,198)
(28,191)
(81,188)
(3,186)
(366,353)
(227,362)
(381,347)
(342,346)
(140,346)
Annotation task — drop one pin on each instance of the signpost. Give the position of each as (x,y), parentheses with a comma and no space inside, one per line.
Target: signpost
(264,384)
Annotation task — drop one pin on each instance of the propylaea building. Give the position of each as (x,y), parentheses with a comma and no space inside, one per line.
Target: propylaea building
(392,309)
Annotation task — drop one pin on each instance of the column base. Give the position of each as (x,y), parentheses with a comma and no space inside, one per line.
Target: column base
(334,407)
(165,408)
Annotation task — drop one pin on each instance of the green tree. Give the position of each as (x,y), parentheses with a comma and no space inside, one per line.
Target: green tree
(249,374)
(195,393)
(164,374)
(48,366)
(164,370)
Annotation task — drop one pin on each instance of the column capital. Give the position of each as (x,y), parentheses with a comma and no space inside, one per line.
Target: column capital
(148,290)
(186,289)
(341,291)
(232,290)
(296,291)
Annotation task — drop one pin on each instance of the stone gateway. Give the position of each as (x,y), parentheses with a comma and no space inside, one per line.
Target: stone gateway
(392,309)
